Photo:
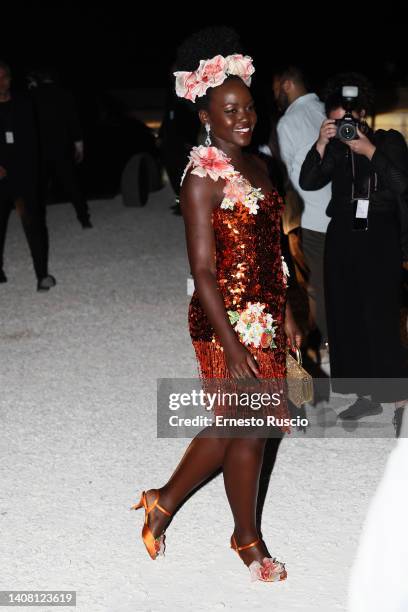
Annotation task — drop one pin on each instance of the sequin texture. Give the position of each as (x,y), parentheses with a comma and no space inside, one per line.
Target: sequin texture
(248,269)
(248,266)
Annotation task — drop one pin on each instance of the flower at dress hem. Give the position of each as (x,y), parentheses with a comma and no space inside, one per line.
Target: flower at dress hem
(254,326)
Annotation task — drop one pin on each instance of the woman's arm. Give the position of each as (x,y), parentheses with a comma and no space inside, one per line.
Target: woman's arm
(198,199)
(389,158)
(317,169)
(390,161)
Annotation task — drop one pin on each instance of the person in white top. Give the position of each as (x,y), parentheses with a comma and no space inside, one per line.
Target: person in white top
(378,576)
(298,129)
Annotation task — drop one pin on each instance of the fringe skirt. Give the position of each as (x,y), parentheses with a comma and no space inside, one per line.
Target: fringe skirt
(215,377)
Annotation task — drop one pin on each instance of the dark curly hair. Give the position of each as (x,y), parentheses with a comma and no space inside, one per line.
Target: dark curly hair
(332,94)
(202,45)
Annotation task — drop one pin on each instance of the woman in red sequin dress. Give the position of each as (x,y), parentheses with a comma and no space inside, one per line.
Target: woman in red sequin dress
(239,321)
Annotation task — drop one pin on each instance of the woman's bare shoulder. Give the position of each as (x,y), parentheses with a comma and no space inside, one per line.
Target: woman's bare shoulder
(201,191)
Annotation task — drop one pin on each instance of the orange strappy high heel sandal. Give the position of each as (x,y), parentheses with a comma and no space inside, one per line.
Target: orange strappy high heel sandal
(270,570)
(155,546)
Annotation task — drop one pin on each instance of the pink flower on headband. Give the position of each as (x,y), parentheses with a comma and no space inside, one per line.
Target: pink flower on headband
(187,85)
(241,66)
(211,73)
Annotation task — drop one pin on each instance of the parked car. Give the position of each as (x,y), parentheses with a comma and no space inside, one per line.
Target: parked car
(120,153)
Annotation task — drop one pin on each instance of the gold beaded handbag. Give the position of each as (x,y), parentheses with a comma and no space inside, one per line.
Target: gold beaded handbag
(300,382)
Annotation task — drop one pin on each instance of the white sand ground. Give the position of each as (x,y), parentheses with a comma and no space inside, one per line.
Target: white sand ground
(78,438)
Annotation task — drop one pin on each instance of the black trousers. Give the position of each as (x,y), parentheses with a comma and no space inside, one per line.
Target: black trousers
(313,249)
(62,169)
(33,225)
(363,295)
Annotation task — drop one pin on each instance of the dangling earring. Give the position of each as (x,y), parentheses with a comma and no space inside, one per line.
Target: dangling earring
(208,139)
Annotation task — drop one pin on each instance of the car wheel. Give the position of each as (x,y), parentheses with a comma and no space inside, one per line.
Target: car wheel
(135,180)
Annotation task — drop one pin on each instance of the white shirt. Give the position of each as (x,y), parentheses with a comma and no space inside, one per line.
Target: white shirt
(298,130)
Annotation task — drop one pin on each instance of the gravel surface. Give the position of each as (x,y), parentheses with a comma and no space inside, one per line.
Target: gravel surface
(79,366)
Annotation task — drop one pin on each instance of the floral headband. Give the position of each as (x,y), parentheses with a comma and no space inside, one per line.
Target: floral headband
(211,73)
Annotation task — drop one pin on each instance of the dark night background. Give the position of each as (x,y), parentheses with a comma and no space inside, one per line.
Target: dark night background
(109,45)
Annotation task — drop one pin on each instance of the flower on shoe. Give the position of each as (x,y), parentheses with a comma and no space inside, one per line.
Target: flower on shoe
(159,545)
(270,570)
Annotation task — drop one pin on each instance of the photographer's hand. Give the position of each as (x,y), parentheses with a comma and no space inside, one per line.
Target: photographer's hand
(327,132)
(361,146)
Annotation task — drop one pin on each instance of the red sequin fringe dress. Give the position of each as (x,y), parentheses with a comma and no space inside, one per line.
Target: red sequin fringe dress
(249,268)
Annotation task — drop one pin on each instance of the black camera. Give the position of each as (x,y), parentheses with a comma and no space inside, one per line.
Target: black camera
(347,126)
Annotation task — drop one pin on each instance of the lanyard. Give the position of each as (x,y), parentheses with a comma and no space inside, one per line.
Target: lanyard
(353,169)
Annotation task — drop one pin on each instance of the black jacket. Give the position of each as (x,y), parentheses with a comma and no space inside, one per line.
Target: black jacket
(20,158)
(57,119)
(389,163)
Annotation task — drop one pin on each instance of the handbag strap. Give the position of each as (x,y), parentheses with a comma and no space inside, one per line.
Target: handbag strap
(298,354)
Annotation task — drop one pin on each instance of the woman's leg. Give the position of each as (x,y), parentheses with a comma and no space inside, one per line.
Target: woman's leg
(241,460)
(242,467)
(36,238)
(203,456)
(5,210)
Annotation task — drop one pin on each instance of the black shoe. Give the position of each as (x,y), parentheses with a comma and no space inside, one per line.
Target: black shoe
(45,284)
(362,407)
(3,277)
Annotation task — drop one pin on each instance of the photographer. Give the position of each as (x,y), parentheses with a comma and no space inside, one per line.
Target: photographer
(366,244)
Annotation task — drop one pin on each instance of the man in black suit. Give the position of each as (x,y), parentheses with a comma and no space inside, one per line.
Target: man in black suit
(19,177)
(61,144)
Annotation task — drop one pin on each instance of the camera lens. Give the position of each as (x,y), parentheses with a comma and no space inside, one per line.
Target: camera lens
(347,131)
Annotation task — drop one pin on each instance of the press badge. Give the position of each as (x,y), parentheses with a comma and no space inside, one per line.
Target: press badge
(362,209)
(9,138)
(360,218)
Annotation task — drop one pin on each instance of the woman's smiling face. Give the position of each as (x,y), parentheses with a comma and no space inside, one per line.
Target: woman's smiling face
(231,113)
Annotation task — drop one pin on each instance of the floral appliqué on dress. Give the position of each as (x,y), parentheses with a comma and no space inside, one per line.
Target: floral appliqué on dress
(254,326)
(212,162)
